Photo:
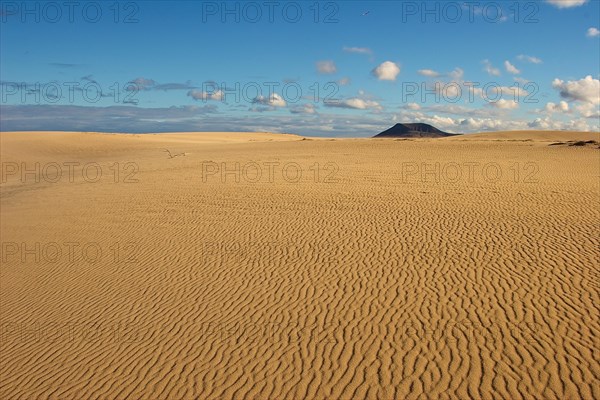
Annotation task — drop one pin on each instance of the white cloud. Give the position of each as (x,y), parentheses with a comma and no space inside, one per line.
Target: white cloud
(593,32)
(307,108)
(386,71)
(345,81)
(494,117)
(428,72)
(437,120)
(208,118)
(449,124)
(326,67)
(413,106)
(522,81)
(450,90)
(586,90)
(200,95)
(511,68)
(274,100)
(484,124)
(492,92)
(542,123)
(456,74)
(490,69)
(359,50)
(143,83)
(529,59)
(471,124)
(563,107)
(588,110)
(354,103)
(549,124)
(458,110)
(566,3)
(505,104)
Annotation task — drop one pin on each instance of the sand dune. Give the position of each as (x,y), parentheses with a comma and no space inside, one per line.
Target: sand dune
(263,266)
(541,136)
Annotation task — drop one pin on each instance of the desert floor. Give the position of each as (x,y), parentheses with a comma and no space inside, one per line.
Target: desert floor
(267,266)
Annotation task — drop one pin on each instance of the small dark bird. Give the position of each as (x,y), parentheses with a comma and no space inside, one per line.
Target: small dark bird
(366,13)
(174,155)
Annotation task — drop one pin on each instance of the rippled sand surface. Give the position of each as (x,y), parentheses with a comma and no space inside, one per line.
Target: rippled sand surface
(265,266)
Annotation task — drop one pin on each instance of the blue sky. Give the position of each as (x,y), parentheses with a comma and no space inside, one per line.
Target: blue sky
(345,68)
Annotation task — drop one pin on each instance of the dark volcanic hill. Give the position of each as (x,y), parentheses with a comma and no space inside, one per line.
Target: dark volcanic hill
(413,131)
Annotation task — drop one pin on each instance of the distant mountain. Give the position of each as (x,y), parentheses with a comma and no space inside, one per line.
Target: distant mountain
(413,131)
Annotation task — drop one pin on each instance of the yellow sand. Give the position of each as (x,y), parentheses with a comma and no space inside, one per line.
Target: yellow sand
(384,275)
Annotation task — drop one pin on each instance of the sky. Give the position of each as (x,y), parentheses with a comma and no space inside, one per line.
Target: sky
(315,68)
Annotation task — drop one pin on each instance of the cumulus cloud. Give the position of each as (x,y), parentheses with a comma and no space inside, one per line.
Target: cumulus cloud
(359,50)
(588,110)
(207,118)
(140,83)
(511,69)
(429,72)
(353,103)
(462,125)
(541,123)
(522,81)
(529,59)
(412,106)
(585,90)
(437,120)
(345,81)
(307,108)
(479,124)
(548,123)
(593,32)
(450,90)
(488,124)
(566,3)
(505,104)
(205,96)
(457,110)
(326,67)
(456,74)
(563,107)
(488,119)
(490,69)
(494,92)
(274,100)
(386,71)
